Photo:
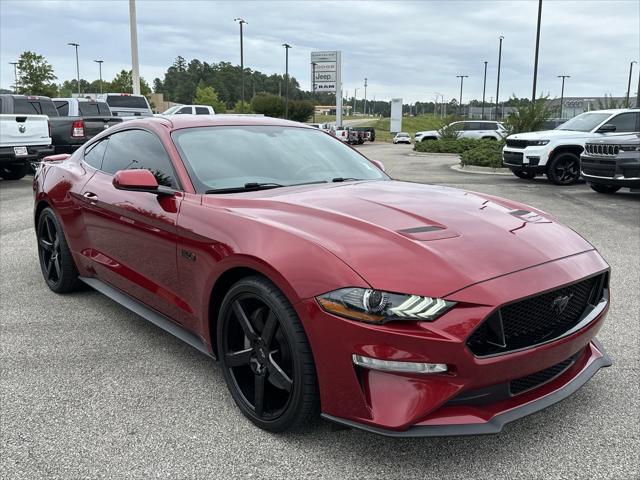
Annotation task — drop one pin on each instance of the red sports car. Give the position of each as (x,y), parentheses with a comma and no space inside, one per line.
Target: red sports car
(321,284)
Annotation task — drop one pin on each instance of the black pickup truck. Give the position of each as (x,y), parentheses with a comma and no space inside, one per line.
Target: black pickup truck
(68,133)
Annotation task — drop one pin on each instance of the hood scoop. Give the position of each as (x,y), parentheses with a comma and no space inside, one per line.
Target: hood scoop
(428,232)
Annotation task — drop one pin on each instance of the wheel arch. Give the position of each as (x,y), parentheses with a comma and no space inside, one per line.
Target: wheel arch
(40,206)
(575,149)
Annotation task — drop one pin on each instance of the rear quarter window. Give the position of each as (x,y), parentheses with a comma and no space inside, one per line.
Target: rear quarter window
(62,106)
(34,106)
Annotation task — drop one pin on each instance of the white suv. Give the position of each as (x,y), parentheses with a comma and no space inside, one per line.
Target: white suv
(556,153)
(468,129)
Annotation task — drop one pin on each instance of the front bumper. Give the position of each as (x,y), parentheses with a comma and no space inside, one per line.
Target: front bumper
(621,171)
(422,405)
(526,159)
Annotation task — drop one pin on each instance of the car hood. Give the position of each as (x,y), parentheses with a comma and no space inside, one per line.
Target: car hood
(550,134)
(413,238)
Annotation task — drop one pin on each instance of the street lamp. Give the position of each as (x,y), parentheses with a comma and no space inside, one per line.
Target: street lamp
(286,79)
(100,62)
(313,88)
(241,21)
(355,94)
(484,88)
(364,108)
(461,77)
(77,63)
(535,65)
(498,82)
(629,84)
(15,76)
(438,94)
(562,94)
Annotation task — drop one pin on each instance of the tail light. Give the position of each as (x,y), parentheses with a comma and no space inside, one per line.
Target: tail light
(77,129)
(49,127)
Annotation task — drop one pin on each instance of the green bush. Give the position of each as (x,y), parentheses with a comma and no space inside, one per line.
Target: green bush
(300,110)
(451,146)
(484,154)
(267,104)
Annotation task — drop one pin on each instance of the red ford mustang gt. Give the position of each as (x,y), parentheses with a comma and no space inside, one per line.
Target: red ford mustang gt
(322,285)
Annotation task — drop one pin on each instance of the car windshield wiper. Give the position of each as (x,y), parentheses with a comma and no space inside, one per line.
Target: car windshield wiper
(254,186)
(345,179)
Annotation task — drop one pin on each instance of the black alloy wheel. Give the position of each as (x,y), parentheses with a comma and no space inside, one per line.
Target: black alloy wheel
(564,169)
(265,356)
(608,189)
(58,269)
(525,174)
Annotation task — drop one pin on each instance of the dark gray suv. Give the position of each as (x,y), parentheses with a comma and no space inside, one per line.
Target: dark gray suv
(610,164)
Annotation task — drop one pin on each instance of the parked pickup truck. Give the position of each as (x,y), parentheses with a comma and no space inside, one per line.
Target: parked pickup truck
(23,139)
(556,153)
(189,110)
(126,104)
(68,133)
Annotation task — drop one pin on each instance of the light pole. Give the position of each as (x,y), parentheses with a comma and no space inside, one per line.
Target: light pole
(286,79)
(313,88)
(15,76)
(461,77)
(364,109)
(629,84)
(135,64)
(77,63)
(355,94)
(562,94)
(100,62)
(438,94)
(241,22)
(535,65)
(484,88)
(498,82)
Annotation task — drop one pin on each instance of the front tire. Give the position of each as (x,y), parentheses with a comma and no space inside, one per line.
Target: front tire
(265,357)
(607,189)
(57,265)
(564,169)
(13,172)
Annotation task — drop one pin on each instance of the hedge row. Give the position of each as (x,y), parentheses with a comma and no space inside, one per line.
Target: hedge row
(451,146)
(484,155)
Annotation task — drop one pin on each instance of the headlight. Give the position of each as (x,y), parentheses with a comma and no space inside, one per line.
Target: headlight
(375,306)
(537,143)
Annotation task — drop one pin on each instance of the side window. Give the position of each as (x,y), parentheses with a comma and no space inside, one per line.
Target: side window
(626,122)
(489,126)
(133,149)
(472,126)
(202,111)
(88,108)
(184,110)
(93,153)
(63,107)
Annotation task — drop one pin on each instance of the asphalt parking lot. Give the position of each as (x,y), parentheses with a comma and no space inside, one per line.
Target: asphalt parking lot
(90,390)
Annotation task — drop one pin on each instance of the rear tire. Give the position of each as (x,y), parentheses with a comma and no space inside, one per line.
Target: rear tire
(607,189)
(564,169)
(57,265)
(266,358)
(524,174)
(13,172)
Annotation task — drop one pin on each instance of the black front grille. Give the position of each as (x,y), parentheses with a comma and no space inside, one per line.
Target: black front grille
(601,149)
(537,319)
(538,379)
(512,158)
(516,143)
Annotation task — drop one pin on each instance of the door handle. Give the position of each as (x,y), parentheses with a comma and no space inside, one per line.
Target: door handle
(92,197)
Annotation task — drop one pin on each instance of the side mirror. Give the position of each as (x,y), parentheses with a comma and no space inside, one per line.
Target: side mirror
(378,164)
(139,180)
(607,128)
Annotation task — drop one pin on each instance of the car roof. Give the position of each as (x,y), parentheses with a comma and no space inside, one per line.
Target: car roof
(614,110)
(176,122)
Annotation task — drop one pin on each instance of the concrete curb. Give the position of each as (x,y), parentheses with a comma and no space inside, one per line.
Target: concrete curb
(481,170)
(430,154)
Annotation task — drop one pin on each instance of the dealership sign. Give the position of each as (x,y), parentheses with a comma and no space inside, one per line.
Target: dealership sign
(326,76)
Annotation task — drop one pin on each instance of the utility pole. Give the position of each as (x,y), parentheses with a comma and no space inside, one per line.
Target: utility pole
(76,45)
(498,82)
(535,66)
(484,88)
(313,87)
(562,94)
(461,77)
(286,79)
(15,76)
(364,110)
(355,94)
(100,62)
(241,22)
(135,67)
(629,84)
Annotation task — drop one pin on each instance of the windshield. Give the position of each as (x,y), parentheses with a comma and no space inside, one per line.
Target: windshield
(585,122)
(231,157)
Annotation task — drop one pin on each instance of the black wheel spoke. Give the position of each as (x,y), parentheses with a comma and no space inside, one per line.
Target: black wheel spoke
(47,246)
(277,377)
(245,323)
(50,229)
(56,264)
(236,359)
(49,267)
(269,328)
(258,399)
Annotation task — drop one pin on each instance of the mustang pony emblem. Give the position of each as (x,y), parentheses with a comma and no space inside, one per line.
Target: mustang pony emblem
(560,303)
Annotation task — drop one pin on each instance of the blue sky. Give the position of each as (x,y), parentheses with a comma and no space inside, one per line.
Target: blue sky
(405,49)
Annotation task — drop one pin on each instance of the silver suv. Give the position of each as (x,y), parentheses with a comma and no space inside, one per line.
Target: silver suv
(611,164)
